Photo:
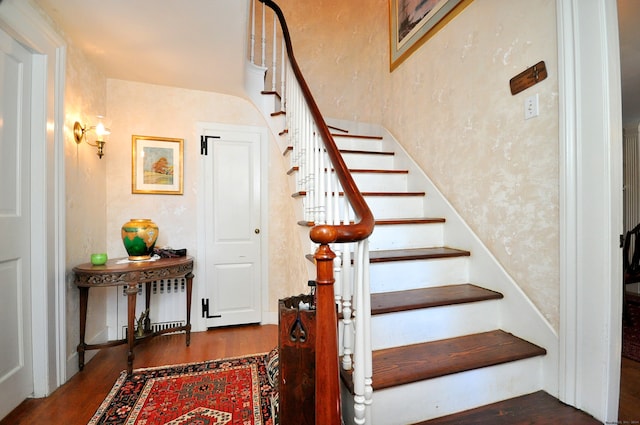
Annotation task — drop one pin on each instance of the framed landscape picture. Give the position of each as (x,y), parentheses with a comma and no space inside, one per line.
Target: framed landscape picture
(157,165)
(412,22)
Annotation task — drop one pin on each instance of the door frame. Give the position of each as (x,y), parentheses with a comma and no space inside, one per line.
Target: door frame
(48,266)
(199,290)
(590,143)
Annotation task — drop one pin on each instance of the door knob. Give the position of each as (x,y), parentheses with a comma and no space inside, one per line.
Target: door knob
(257,231)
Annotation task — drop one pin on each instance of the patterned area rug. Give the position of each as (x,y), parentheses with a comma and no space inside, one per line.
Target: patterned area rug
(631,328)
(222,392)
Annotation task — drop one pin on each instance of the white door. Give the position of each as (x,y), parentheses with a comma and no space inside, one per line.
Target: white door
(16,366)
(232,186)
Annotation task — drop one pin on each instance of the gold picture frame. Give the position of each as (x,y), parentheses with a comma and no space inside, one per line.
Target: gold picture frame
(412,22)
(157,165)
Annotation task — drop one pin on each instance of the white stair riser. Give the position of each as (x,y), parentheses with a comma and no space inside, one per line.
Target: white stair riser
(431,324)
(403,275)
(380,182)
(437,397)
(406,236)
(359,143)
(384,207)
(373,162)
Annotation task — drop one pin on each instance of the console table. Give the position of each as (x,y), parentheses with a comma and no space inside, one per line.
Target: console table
(130,274)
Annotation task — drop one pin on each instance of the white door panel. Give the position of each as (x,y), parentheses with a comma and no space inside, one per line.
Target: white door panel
(232,223)
(16,368)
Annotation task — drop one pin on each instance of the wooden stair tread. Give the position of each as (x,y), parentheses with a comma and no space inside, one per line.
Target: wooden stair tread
(343,151)
(416,254)
(357,136)
(358,171)
(537,408)
(423,220)
(271,93)
(417,362)
(390,302)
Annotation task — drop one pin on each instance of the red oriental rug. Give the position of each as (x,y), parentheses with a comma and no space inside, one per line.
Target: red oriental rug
(222,392)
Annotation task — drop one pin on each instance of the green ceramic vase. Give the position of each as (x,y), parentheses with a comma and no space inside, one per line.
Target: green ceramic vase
(139,236)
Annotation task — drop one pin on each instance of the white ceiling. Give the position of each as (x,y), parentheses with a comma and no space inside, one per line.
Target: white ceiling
(200,44)
(194,44)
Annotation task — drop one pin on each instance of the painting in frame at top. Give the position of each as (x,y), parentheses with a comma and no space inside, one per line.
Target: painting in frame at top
(412,22)
(157,165)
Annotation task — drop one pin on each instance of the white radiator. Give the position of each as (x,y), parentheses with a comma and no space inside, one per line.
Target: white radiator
(631,188)
(168,305)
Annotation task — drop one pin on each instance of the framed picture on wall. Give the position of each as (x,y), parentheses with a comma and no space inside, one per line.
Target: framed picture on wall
(412,22)
(157,165)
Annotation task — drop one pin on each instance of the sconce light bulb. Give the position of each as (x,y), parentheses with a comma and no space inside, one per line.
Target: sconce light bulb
(100,131)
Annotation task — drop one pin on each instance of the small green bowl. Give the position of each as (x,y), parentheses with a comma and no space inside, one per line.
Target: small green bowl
(98,259)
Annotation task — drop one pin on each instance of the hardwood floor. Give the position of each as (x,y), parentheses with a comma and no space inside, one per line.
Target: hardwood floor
(629,407)
(77,400)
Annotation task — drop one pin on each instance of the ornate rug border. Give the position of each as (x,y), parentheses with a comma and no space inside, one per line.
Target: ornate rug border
(123,377)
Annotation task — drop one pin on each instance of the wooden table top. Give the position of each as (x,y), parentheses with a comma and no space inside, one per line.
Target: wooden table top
(115,273)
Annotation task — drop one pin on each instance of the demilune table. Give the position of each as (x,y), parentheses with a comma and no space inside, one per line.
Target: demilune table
(130,274)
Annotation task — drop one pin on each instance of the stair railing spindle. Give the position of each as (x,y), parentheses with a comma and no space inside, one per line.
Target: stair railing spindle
(283,94)
(274,60)
(365,317)
(253,32)
(359,347)
(263,43)
(330,190)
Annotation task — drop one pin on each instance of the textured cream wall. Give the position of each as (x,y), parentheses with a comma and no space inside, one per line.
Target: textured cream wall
(450,106)
(150,110)
(86,204)
(342,51)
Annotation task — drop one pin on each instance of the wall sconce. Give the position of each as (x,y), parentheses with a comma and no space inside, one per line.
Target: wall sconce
(80,133)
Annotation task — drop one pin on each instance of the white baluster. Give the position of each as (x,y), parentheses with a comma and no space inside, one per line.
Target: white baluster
(264,38)
(358,355)
(283,105)
(347,311)
(337,275)
(274,69)
(368,359)
(253,31)
(330,190)
(311,158)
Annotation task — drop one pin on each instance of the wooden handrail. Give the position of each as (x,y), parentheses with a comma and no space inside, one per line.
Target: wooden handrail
(327,368)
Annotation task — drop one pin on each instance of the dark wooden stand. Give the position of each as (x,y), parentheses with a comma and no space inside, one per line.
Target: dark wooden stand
(130,275)
(297,361)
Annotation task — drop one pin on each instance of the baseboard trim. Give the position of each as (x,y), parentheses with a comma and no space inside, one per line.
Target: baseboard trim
(72,360)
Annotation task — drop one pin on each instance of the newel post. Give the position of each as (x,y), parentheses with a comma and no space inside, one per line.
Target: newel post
(327,375)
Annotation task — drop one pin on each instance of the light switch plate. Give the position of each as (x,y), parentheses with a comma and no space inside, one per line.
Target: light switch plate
(531,107)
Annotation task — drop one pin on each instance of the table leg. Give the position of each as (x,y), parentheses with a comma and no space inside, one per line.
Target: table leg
(132,291)
(189,278)
(147,303)
(84,297)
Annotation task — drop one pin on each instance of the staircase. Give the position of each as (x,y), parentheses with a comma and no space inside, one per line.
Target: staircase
(449,329)
(441,342)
